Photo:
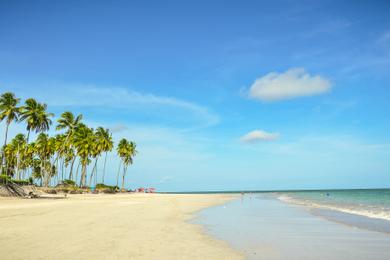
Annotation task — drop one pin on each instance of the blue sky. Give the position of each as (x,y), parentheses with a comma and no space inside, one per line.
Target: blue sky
(218,96)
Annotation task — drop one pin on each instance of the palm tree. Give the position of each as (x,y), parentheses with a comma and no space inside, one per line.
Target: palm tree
(36,116)
(83,141)
(43,157)
(104,137)
(130,153)
(43,151)
(18,144)
(96,151)
(9,153)
(126,151)
(60,151)
(69,122)
(121,151)
(9,110)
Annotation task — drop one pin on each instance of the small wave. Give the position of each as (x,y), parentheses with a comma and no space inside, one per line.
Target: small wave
(370,213)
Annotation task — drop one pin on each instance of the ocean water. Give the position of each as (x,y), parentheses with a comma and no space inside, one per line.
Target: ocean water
(303,225)
(371,203)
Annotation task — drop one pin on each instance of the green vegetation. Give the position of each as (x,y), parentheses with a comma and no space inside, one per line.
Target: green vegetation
(56,160)
(106,188)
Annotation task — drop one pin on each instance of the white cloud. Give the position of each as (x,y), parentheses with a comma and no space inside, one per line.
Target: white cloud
(295,82)
(257,136)
(84,95)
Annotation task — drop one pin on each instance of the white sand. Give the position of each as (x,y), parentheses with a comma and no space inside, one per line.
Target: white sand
(129,226)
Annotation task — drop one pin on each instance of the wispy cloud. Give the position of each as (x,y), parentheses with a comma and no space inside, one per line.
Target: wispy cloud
(88,95)
(293,83)
(258,136)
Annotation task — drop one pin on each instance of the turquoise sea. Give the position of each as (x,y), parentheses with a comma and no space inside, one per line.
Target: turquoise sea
(371,203)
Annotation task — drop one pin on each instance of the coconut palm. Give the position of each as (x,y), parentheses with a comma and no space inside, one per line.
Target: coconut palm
(44,157)
(36,117)
(42,151)
(131,151)
(45,149)
(104,137)
(96,151)
(9,110)
(126,151)
(60,150)
(69,122)
(18,144)
(83,141)
(121,151)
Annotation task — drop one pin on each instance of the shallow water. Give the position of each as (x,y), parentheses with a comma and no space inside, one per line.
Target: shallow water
(263,227)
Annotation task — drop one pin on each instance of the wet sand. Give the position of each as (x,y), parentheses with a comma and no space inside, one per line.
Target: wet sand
(262,227)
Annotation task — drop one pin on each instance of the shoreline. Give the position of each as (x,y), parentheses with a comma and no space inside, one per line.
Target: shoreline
(273,229)
(105,226)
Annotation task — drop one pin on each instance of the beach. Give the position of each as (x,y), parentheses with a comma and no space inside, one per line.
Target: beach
(187,226)
(120,226)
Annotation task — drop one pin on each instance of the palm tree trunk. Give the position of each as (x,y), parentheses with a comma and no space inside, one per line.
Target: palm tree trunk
(71,169)
(104,167)
(5,143)
(96,171)
(28,136)
(17,173)
(57,164)
(123,177)
(77,171)
(117,176)
(83,174)
(45,177)
(6,133)
(62,169)
(93,170)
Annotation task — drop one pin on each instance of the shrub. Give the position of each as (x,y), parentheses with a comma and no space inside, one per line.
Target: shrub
(23,182)
(4,178)
(69,182)
(106,188)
